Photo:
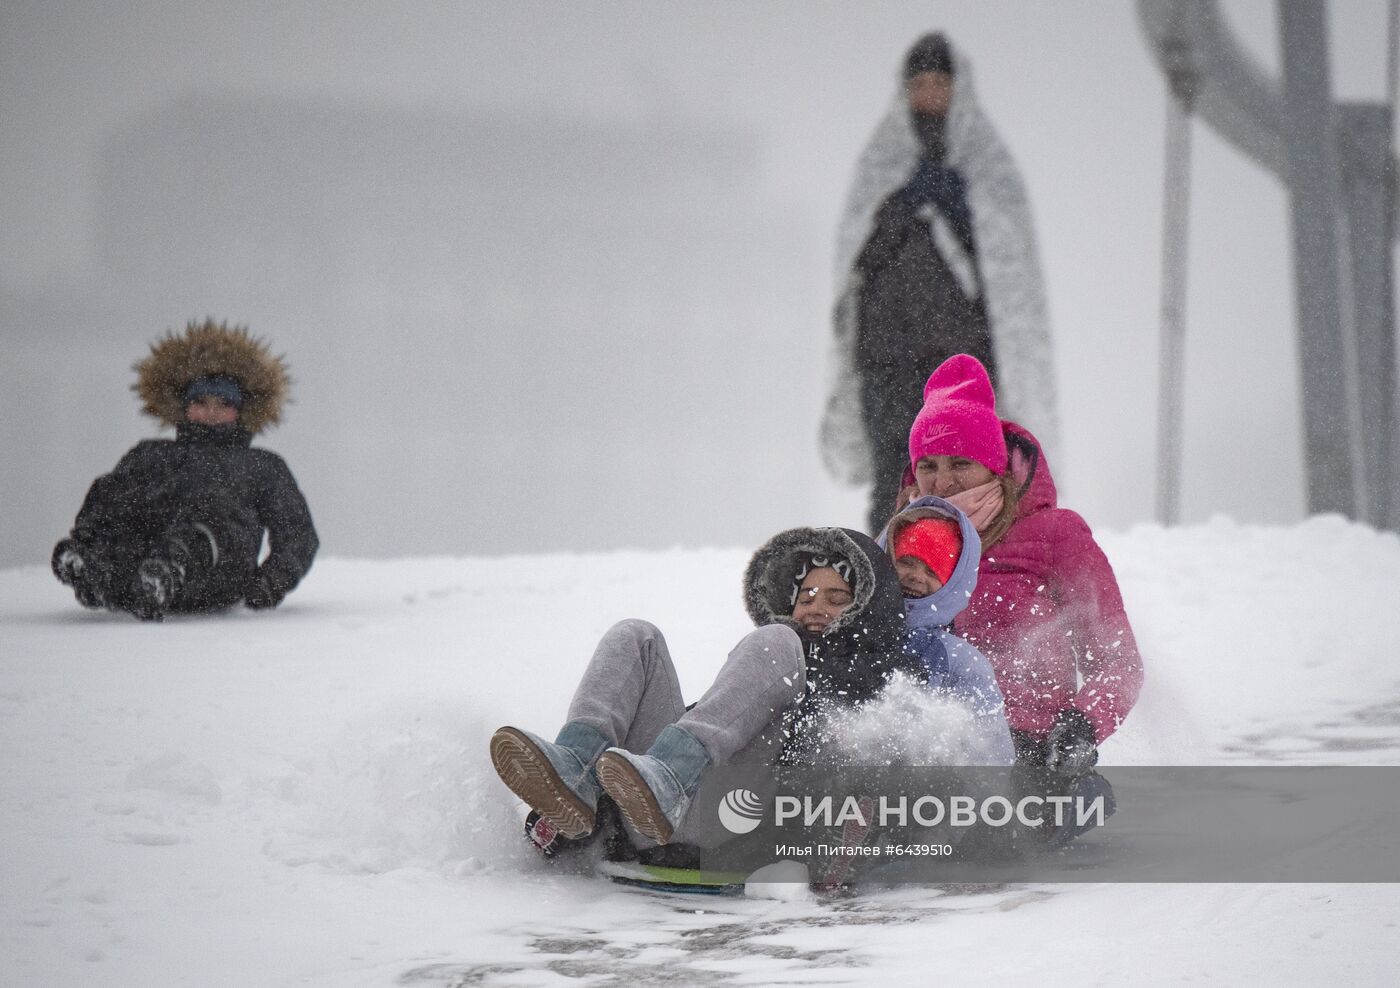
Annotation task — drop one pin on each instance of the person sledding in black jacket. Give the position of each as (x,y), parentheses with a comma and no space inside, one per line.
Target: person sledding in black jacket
(178,524)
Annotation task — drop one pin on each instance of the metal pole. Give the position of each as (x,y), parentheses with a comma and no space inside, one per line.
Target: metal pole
(1368,181)
(1392,67)
(1176,210)
(1310,154)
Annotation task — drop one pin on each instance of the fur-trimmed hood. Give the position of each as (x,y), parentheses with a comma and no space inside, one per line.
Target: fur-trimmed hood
(854,656)
(853,660)
(213,348)
(769,580)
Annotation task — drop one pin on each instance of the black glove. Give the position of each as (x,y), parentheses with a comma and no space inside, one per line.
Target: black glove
(1070,747)
(63,562)
(82,569)
(262,594)
(929,183)
(943,187)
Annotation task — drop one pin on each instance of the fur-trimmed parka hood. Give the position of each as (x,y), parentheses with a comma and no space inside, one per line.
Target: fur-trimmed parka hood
(852,661)
(855,655)
(209,348)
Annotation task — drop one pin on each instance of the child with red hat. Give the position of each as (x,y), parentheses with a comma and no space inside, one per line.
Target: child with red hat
(925,552)
(935,551)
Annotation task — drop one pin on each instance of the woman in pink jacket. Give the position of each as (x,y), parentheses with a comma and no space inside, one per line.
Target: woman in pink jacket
(1047,610)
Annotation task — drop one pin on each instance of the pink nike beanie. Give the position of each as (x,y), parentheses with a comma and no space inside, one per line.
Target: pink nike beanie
(959,417)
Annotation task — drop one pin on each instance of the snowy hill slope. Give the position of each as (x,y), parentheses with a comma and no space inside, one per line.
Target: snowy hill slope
(303,797)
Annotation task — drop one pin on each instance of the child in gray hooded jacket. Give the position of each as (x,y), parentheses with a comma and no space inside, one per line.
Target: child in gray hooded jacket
(936,552)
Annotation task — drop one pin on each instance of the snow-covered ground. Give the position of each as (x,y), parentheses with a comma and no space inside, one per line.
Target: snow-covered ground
(303,797)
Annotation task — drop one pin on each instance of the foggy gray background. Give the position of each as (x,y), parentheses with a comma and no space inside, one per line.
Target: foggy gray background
(557,275)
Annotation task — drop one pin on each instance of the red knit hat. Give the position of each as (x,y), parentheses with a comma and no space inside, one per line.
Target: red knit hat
(959,417)
(937,542)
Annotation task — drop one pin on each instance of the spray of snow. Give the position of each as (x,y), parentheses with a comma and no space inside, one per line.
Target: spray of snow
(404,787)
(907,724)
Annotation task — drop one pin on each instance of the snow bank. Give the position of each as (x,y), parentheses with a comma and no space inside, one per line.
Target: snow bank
(303,796)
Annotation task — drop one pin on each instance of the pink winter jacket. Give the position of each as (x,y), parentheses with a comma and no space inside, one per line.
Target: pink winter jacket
(1046,605)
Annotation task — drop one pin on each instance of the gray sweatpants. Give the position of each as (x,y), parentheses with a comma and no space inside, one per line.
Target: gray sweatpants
(630,692)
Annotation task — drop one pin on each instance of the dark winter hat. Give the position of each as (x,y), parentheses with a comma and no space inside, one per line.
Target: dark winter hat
(931,53)
(815,560)
(219,385)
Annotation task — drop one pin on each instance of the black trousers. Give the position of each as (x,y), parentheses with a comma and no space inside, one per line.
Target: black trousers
(890,398)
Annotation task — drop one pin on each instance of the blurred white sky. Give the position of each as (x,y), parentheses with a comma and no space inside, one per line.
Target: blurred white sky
(808,73)
(1070,86)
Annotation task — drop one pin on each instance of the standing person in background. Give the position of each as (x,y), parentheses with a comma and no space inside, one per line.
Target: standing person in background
(1046,609)
(935,256)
